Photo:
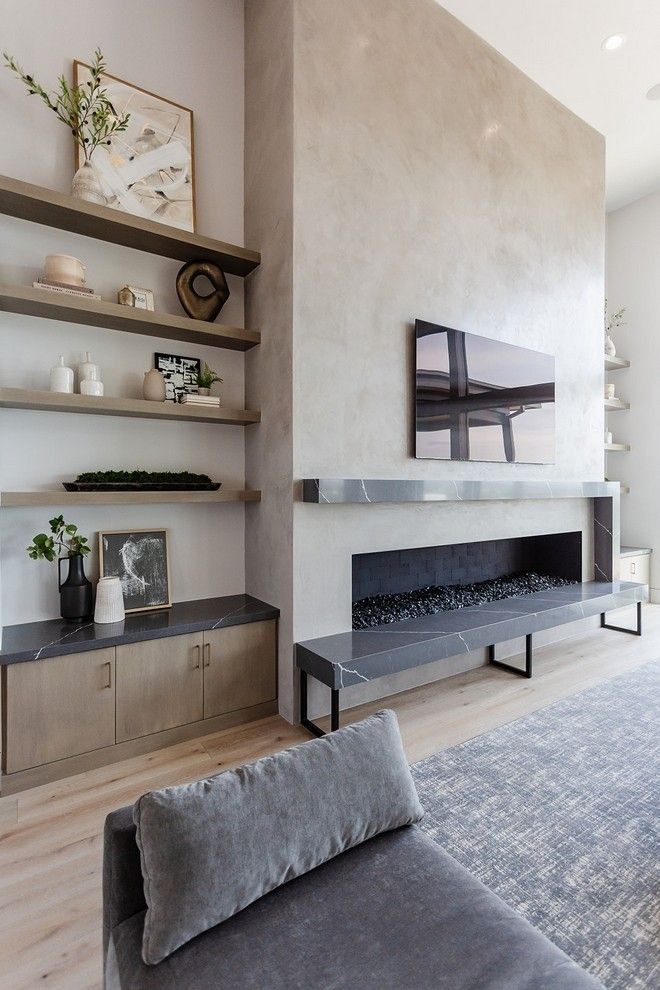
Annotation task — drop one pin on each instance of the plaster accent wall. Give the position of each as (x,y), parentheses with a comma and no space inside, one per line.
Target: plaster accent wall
(633,263)
(269,305)
(431,179)
(191,53)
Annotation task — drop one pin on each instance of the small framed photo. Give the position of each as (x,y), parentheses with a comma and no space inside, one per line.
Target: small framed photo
(180,374)
(132,295)
(140,559)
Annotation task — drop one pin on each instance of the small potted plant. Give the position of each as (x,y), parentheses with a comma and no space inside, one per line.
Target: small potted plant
(88,113)
(205,379)
(66,543)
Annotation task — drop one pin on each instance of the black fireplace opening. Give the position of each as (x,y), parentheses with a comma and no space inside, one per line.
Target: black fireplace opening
(392,585)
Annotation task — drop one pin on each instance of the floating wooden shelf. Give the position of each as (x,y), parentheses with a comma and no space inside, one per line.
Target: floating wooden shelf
(611,405)
(10,500)
(29,301)
(20,398)
(613,447)
(54,209)
(615,363)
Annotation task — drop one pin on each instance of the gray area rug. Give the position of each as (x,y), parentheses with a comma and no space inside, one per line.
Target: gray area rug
(558,813)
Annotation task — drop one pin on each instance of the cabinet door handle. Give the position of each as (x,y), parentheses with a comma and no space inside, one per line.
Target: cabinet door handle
(207,654)
(633,567)
(108,664)
(198,655)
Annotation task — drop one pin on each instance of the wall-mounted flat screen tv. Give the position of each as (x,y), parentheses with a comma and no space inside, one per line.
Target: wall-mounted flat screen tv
(478,399)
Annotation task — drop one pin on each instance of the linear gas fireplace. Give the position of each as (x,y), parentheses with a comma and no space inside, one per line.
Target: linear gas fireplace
(391,586)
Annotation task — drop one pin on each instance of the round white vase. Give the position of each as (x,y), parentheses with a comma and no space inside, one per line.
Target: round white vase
(87,369)
(86,185)
(109,601)
(91,386)
(64,268)
(610,348)
(153,387)
(61,377)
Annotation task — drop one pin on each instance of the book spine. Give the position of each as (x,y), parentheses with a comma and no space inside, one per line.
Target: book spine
(65,292)
(65,285)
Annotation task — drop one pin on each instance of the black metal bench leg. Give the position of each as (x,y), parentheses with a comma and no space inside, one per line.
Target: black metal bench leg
(631,632)
(334,709)
(527,672)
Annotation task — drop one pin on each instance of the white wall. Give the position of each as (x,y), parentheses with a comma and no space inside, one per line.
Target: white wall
(190,52)
(633,281)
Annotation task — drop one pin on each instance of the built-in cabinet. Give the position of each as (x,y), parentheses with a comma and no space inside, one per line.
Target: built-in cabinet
(58,708)
(65,706)
(159,685)
(635,565)
(225,685)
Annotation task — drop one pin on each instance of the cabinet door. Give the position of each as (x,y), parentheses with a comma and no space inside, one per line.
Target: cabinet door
(240,667)
(159,685)
(59,707)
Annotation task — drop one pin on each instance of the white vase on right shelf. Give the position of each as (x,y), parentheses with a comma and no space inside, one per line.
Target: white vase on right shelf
(610,348)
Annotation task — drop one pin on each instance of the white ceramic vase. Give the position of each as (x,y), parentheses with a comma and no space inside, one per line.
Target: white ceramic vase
(61,377)
(64,268)
(91,386)
(109,601)
(87,369)
(610,348)
(86,185)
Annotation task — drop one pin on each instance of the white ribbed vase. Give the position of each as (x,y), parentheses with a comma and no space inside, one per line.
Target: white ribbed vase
(109,600)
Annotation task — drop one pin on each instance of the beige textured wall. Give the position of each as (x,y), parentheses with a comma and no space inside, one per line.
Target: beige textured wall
(431,179)
(268,369)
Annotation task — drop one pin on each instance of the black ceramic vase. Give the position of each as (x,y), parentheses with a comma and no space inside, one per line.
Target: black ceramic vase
(76,591)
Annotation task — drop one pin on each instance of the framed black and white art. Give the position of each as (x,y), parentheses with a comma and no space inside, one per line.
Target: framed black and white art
(139,558)
(180,374)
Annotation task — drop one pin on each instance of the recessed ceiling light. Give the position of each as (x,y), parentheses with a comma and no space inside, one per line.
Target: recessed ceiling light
(613,42)
(654,93)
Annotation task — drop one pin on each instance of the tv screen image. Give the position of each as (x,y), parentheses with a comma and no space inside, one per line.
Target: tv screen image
(478,399)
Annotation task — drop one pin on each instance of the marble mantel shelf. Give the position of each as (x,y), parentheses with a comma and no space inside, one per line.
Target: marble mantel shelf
(330,491)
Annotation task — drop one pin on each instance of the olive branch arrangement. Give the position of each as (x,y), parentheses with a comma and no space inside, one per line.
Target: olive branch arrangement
(85,109)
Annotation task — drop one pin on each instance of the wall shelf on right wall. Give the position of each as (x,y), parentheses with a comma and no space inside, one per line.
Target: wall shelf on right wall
(615,363)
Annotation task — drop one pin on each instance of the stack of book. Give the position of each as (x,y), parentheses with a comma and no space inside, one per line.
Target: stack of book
(193,399)
(68,290)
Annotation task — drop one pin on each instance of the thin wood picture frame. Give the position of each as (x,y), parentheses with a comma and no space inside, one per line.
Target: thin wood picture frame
(121,142)
(131,572)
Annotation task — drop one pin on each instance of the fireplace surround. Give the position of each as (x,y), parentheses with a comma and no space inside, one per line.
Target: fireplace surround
(354,507)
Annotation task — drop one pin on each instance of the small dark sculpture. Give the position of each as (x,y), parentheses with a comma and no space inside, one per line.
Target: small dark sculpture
(196,305)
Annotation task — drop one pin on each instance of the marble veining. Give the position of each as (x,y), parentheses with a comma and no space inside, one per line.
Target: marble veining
(55,637)
(363,655)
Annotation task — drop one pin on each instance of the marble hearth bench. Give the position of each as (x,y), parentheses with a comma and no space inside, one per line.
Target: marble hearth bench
(364,655)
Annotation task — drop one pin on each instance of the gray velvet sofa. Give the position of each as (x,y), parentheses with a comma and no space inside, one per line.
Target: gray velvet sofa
(393,911)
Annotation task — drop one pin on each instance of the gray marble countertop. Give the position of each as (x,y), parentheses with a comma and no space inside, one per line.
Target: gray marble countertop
(634,551)
(56,637)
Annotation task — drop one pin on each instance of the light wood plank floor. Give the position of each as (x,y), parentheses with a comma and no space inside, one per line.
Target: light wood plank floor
(50,837)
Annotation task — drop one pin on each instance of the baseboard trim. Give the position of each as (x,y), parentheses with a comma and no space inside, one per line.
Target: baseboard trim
(22,780)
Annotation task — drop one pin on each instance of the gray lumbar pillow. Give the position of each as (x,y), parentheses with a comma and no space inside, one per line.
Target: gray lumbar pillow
(210,848)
